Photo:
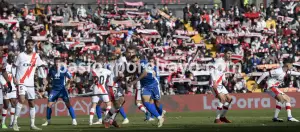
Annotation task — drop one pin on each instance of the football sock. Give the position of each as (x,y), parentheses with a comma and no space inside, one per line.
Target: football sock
(92,112)
(122,112)
(159,109)
(277,110)
(18,112)
(151,108)
(114,114)
(288,109)
(12,115)
(99,112)
(225,109)
(32,116)
(152,116)
(141,107)
(219,110)
(72,113)
(49,112)
(4,113)
(107,111)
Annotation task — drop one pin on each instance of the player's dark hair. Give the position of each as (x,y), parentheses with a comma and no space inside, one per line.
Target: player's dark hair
(10,58)
(227,50)
(56,58)
(131,47)
(29,40)
(151,58)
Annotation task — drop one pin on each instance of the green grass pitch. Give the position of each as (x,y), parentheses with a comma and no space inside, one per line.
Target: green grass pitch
(246,120)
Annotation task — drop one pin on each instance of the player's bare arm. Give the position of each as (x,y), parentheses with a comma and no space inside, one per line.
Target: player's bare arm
(68,84)
(144,74)
(215,85)
(5,75)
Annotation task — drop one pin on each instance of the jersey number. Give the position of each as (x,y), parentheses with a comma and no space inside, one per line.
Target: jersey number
(101,80)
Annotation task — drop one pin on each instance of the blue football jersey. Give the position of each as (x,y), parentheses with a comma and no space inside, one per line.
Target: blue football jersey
(59,77)
(150,78)
(156,69)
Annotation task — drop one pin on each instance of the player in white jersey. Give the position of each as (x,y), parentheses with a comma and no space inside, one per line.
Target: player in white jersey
(117,91)
(117,96)
(99,75)
(3,88)
(219,90)
(26,64)
(11,96)
(275,78)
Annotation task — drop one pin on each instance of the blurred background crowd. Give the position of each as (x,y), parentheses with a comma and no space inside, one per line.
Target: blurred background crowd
(261,38)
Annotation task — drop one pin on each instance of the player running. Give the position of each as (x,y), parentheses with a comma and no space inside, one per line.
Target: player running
(26,64)
(129,55)
(275,78)
(99,76)
(58,74)
(138,97)
(116,90)
(219,90)
(150,86)
(158,105)
(9,98)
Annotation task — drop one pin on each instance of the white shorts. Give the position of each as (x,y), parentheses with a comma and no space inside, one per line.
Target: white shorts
(274,92)
(220,90)
(29,92)
(99,90)
(11,95)
(1,97)
(104,98)
(138,95)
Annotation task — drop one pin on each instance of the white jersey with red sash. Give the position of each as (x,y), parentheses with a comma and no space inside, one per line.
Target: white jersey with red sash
(102,75)
(218,76)
(223,65)
(100,86)
(26,66)
(115,89)
(275,78)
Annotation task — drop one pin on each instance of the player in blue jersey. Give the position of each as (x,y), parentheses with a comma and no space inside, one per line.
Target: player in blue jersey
(130,56)
(150,85)
(58,75)
(158,105)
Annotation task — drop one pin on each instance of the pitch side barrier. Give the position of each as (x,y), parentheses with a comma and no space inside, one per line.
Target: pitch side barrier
(172,103)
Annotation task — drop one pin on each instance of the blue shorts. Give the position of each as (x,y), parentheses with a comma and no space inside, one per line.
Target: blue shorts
(55,94)
(152,90)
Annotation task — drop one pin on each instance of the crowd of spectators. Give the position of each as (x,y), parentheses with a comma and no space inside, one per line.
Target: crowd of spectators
(78,33)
